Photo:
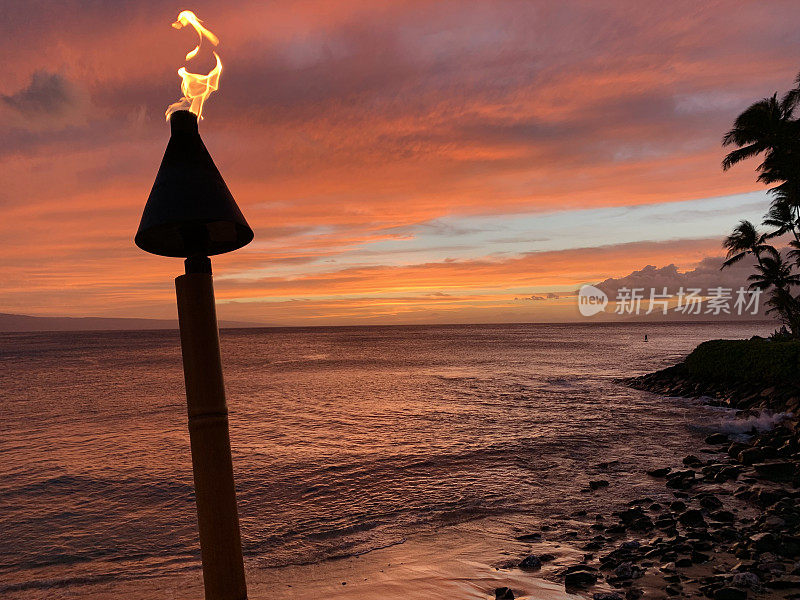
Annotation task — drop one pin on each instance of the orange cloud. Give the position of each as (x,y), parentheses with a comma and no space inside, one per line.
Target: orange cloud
(338,124)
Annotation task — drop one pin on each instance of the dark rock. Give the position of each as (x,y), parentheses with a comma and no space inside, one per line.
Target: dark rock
(600,483)
(606,465)
(717,438)
(595,545)
(659,472)
(763,541)
(677,506)
(699,558)
(547,557)
(683,562)
(642,524)
(730,472)
(692,518)
(575,568)
(746,580)
(766,497)
(692,461)
(616,530)
(723,516)
(673,589)
(681,480)
(634,594)
(640,501)
(783,583)
(630,515)
(580,579)
(503,593)
(665,523)
(726,534)
(730,593)
(776,471)
(627,570)
(750,456)
(529,537)
(607,596)
(735,448)
(531,563)
(710,502)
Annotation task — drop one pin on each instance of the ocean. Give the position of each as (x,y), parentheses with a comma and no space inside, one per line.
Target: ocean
(345,440)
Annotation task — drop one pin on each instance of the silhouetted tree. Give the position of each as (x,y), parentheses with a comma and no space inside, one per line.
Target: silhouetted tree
(768,128)
(744,239)
(775,277)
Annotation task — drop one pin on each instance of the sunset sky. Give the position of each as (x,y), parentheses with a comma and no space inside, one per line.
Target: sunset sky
(399,162)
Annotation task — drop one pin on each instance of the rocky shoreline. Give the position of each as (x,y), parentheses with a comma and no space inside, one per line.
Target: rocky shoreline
(731,527)
(742,394)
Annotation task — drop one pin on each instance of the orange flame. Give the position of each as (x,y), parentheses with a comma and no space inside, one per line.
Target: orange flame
(195,88)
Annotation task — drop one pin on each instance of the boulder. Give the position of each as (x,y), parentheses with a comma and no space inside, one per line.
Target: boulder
(677,506)
(503,593)
(784,583)
(681,480)
(692,518)
(717,438)
(776,471)
(547,557)
(750,456)
(580,579)
(627,570)
(730,593)
(763,541)
(642,524)
(746,580)
(530,563)
(692,461)
(722,516)
(710,502)
(663,472)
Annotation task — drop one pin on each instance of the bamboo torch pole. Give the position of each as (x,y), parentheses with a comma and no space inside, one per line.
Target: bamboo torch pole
(217,516)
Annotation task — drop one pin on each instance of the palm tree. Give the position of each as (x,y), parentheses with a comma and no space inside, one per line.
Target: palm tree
(744,239)
(766,127)
(776,276)
(782,215)
(794,252)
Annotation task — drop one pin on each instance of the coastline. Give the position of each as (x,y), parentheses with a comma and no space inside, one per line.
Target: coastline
(730,528)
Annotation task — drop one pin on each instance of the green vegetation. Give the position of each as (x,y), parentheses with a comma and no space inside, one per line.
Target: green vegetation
(768,128)
(756,360)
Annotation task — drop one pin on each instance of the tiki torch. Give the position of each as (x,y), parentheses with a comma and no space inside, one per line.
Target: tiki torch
(191,214)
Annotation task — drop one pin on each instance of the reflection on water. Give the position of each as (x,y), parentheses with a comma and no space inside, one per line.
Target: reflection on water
(344,439)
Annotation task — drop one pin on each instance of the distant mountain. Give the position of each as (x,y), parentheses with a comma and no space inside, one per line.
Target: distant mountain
(9,322)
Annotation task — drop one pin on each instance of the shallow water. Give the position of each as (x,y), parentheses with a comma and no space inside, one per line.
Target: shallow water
(344,439)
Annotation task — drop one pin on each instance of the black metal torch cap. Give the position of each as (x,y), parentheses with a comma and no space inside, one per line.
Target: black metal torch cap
(190,211)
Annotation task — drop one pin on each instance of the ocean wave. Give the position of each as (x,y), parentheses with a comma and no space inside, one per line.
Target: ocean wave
(739,425)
